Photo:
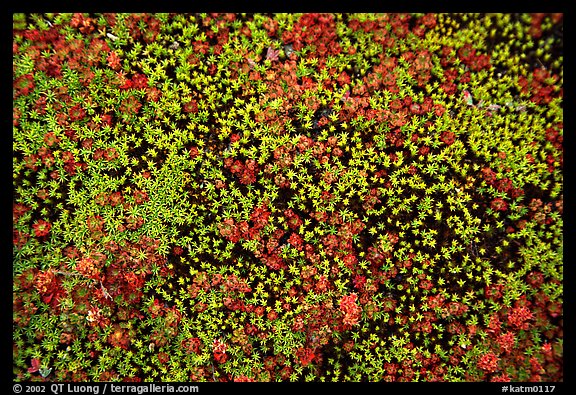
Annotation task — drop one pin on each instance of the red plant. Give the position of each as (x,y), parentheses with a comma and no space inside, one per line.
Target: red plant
(219,351)
(113,60)
(294,220)
(499,204)
(139,81)
(502,378)
(274,261)
(260,217)
(84,24)
(24,85)
(48,286)
(101,199)
(426,284)
(488,362)
(19,239)
(504,185)
(177,250)
(41,228)
(18,209)
(87,267)
(535,278)
(298,324)
(191,107)
(305,355)
(506,341)
(110,154)
(119,338)
(243,379)
(192,345)
(351,310)
(96,319)
(140,196)
(245,171)
(229,230)
(76,113)
(554,309)
(130,105)
(519,316)
(163,358)
(115,198)
(35,365)
(272,54)
(95,223)
(448,137)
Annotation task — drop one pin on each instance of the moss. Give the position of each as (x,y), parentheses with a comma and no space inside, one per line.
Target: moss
(288,197)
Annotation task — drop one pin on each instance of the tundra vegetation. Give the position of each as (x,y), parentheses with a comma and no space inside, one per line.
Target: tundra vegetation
(287,197)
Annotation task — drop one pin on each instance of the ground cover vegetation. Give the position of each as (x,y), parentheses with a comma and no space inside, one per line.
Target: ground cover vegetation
(287,197)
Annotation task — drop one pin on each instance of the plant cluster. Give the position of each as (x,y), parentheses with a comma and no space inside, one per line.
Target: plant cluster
(287,197)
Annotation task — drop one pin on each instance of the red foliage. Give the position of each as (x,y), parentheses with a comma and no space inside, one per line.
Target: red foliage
(259,217)
(539,86)
(119,338)
(126,275)
(143,27)
(163,357)
(140,196)
(34,365)
(139,81)
(229,230)
(76,113)
(95,318)
(41,228)
(219,351)
(296,241)
(488,362)
(88,267)
(499,204)
(243,379)
(555,309)
(18,209)
(448,137)
(455,309)
(192,345)
(234,284)
(506,341)
(110,154)
(351,310)
(305,355)
(130,105)
(82,23)
(519,316)
(294,221)
(23,85)
(504,185)
(191,107)
(274,261)
(246,172)
(49,287)
(502,378)
(115,198)
(535,278)
(177,250)
(426,284)
(113,60)
(322,285)
(468,56)
(19,238)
